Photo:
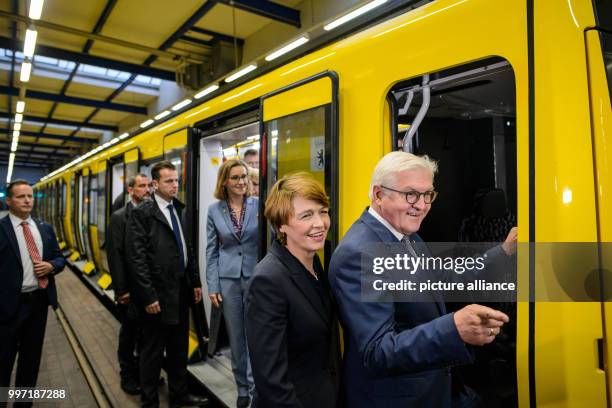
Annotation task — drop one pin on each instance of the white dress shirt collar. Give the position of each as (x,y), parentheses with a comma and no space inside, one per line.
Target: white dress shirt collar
(163,204)
(16,221)
(384,222)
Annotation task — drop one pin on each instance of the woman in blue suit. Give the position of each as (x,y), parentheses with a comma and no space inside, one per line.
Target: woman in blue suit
(231,253)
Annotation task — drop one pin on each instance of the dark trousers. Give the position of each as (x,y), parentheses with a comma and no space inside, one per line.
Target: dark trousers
(23,335)
(129,333)
(173,338)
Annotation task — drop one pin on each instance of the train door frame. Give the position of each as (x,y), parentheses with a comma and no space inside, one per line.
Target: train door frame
(75,192)
(191,213)
(311,96)
(230,119)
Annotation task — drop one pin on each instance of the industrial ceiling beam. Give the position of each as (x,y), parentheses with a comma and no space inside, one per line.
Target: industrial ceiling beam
(74,100)
(22,152)
(64,122)
(40,165)
(268,9)
(217,36)
(80,57)
(65,138)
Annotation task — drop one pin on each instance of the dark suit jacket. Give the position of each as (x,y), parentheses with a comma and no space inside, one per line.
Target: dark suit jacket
(396,354)
(154,259)
(117,259)
(11,269)
(292,335)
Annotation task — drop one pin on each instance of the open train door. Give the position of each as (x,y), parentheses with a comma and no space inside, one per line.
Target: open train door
(299,128)
(599,59)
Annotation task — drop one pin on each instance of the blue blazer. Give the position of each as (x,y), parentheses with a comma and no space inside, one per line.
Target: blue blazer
(228,256)
(396,354)
(11,269)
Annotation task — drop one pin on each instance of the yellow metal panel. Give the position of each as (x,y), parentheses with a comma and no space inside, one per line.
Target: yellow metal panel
(193,343)
(86,171)
(62,245)
(131,156)
(601,119)
(89,268)
(105,281)
(68,211)
(95,246)
(176,140)
(565,333)
(74,256)
(310,95)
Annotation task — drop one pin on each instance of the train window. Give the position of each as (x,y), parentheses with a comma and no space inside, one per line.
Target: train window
(118,189)
(606,45)
(62,211)
(85,198)
(101,216)
(301,135)
(469,128)
(74,215)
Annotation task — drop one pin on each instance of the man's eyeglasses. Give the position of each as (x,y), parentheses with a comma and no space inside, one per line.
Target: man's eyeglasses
(413,196)
(236,177)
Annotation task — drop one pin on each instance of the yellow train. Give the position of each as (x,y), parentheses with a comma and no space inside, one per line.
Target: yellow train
(516,99)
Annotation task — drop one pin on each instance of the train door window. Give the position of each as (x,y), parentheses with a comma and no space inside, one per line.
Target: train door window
(224,140)
(101,218)
(117,187)
(175,151)
(300,134)
(63,200)
(85,197)
(469,128)
(130,160)
(74,214)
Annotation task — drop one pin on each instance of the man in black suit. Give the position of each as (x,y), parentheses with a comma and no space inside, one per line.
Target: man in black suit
(138,191)
(166,278)
(29,259)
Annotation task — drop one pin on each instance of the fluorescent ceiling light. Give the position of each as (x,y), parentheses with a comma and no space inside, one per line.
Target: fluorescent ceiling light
(240,73)
(17,126)
(14,147)
(206,91)
(146,123)
(254,137)
(16,133)
(29,43)
(289,47)
(18,117)
(20,106)
(181,104)
(36,7)
(123,135)
(162,114)
(353,14)
(26,70)
(105,145)
(113,141)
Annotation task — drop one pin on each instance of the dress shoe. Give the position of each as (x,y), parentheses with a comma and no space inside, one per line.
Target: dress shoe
(243,402)
(130,387)
(191,401)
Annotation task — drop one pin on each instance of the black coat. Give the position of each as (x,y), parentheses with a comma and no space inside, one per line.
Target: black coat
(117,259)
(292,334)
(155,261)
(11,269)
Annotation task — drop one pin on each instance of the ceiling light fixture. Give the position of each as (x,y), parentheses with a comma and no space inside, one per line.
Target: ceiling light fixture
(162,115)
(353,14)
(17,126)
(181,104)
(289,47)
(241,73)
(26,70)
(146,123)
(206,91)
(20,106)
(30,43)
(36,7)
(18,117)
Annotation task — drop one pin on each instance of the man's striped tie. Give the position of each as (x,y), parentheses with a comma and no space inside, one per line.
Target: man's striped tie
(33,251)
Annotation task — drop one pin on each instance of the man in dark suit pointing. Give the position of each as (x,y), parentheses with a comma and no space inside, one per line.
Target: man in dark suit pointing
(166,279)
(29,259)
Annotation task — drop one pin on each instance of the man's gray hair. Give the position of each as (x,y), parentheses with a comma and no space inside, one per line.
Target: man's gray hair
(396,162)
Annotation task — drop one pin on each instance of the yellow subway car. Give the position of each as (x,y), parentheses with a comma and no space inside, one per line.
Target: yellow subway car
(512,98)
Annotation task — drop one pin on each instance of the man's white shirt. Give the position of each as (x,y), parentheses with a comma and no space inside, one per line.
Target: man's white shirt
(30,282)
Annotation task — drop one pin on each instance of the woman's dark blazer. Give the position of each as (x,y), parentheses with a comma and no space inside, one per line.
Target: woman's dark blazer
(292,335)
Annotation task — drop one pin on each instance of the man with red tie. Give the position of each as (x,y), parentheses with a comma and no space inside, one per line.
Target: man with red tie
(29,259)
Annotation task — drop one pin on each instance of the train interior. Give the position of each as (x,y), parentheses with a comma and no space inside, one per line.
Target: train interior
(469,129)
